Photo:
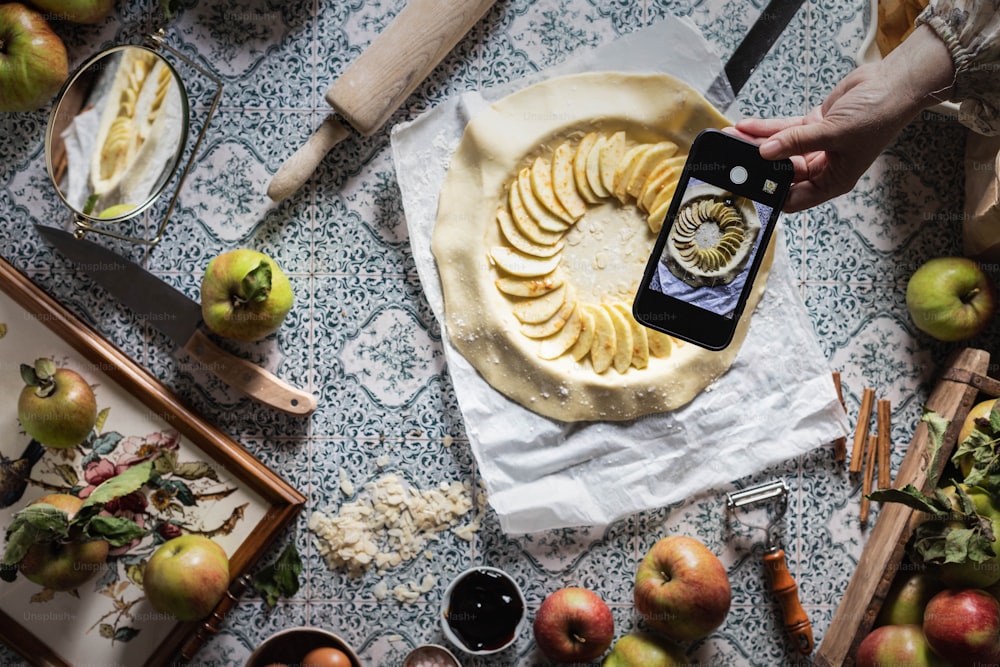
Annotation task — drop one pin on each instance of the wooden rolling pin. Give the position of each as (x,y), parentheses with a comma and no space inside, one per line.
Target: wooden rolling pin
(381,79)
(787,591)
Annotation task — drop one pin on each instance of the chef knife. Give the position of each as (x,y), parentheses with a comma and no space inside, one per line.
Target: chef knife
(755,45)
(178,317)
(381,79)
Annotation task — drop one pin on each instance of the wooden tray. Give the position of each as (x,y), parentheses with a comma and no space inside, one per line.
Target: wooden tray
(957,390)
(216,487)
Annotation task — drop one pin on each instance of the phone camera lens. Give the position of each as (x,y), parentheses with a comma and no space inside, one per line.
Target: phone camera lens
(738,175)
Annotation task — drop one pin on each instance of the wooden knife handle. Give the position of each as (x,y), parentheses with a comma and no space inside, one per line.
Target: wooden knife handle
(399,58)
(249,378)
(787,591)
(297,169)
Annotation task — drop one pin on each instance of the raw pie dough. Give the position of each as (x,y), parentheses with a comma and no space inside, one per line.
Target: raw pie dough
(546,219)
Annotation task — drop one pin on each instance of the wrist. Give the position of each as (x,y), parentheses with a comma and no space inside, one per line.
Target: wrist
(920,70)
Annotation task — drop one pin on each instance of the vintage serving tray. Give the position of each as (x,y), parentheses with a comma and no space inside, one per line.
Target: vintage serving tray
(210,484)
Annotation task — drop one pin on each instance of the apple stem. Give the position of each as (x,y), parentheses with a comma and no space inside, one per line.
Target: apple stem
(256,285)
(970,295)
(577,638)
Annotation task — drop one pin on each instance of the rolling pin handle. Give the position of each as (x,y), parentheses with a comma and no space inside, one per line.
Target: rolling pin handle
(787,591)
(299,167)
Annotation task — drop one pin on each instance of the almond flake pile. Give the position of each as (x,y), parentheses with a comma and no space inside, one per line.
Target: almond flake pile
(389,523)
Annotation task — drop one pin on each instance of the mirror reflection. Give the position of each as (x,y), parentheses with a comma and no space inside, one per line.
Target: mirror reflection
(117,133)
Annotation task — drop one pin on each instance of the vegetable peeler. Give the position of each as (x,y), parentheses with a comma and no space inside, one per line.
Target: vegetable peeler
(781,581)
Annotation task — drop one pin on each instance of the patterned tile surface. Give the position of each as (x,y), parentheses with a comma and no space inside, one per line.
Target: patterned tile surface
(363,339)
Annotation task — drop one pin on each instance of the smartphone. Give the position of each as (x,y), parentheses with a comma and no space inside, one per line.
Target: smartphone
(710,247)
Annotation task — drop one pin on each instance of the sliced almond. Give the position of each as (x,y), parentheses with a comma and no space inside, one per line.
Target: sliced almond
(662,177)
(661,151)
(544,189)
(555,346)
(640,340)
(518,264)
(527,224)
(564,183)
(594,168)
(541,308)
(551,326)
(580,167)
(626,167)
(604,345)
(611,154)
(660,344)
(525,287)
(545,219)
(521,242)
(581,347)
(622,357)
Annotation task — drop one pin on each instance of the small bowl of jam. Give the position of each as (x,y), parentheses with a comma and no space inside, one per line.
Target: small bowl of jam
(482,611)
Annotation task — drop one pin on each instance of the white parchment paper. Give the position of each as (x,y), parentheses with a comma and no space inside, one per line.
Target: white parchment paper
(777,400)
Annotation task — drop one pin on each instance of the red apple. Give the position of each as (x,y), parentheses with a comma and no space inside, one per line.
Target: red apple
(244,295)
(56,406)
(897,646)
(186,577)
(76,11)
(682,589)
(951,298)
(907,598)
(33,62)
(573,625)
(645,649)
(64,566)
(963,625)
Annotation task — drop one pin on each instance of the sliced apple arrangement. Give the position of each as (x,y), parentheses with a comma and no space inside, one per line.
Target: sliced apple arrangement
(543,202)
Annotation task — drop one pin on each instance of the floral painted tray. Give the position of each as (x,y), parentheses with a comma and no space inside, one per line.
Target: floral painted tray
(207,484)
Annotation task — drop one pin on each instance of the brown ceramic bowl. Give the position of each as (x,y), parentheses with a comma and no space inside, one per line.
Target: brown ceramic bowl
(290,646)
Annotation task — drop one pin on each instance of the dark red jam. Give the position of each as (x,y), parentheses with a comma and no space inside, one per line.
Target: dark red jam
(485,610)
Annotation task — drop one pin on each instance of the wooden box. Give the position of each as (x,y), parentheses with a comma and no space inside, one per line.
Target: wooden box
(960,386)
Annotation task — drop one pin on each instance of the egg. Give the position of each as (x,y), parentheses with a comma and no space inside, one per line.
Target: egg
(326,657)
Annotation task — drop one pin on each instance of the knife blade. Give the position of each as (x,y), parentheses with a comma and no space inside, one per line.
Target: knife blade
(751,51)
(178,317)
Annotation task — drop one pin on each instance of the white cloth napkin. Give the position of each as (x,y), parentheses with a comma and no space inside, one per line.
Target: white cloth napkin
(777,400)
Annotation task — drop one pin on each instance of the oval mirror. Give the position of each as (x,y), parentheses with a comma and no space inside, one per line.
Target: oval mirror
(117,133)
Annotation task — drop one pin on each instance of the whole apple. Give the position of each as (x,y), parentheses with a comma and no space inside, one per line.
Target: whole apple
(897,645)
(186,577)
(244,295)
(33,62)
(645,649)
(64,566)
(908,596)
(76,11)
(573,625)
(963,625)
(972,574)
(682,589)
(56,406)
(951,298)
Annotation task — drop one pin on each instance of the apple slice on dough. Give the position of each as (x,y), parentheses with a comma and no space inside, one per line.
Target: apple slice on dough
(594,168)
(622,358)
(545,219)
(529,287)
(585,340)
(580,168)
(525,223)
(660,344)
(557,345)
(519,264)
(564,183)
(540,308)
(602,350)
(666,174)
(552,325)
(626,167)
(544,189)
(611,154)
(514,236)
(650,161)
(640,341)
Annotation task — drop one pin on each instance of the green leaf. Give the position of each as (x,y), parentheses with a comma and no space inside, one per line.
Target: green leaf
(195,470)
(936,427)
(912,497)
(125,634)
(256,285)
(40,522)
(116,531)
(91,201)
(280,578)
(28,375)
(994,419)
(45,368)
(121,484)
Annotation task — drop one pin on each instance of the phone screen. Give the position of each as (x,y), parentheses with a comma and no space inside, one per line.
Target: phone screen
(706,257)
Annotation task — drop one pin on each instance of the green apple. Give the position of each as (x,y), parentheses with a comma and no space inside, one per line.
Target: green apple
(971,573)
(76,11)
(897,645)
(33,62)
(682,589)
(951,298)
(645,649)
(116,211)
(244,295)
(908,595)
(56,406)
(186,577)
(63,565)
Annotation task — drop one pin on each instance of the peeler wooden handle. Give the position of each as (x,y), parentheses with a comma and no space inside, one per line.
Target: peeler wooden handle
(787,591)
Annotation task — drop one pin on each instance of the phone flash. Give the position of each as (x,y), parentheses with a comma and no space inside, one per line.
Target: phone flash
(770,186)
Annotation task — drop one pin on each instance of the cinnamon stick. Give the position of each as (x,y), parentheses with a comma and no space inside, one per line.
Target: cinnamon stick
(840,444)
(861,429)
(866,484)
(883,425)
